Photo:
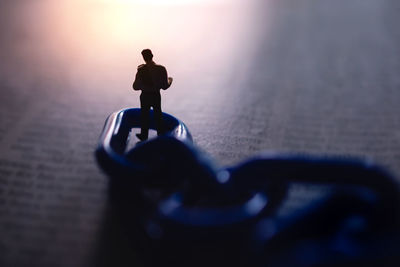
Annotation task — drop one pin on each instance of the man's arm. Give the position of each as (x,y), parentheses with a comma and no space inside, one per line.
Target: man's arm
(165,80)
(137,84)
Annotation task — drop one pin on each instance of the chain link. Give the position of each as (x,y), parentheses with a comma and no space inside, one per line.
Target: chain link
(177,204)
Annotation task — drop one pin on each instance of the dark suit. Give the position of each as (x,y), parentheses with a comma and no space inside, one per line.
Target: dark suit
(150,78)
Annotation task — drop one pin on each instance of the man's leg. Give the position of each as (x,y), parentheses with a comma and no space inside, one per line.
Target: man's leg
(158,114)
(144,117)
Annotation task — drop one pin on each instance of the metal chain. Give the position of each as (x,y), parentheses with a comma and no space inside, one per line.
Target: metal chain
(177,204)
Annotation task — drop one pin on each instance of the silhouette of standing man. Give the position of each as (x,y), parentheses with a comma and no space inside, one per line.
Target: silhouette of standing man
(150,78)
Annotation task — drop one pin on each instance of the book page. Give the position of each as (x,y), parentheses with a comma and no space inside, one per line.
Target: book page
(295,77)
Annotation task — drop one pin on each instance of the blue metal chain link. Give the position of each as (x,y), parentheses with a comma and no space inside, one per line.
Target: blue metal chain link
(177,204)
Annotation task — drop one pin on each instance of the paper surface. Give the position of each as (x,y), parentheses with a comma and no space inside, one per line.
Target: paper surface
(307,77)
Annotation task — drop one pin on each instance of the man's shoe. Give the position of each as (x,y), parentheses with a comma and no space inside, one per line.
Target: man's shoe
(141,137)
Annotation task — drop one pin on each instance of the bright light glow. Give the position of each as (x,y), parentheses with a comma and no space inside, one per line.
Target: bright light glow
(163,2)
(99,41)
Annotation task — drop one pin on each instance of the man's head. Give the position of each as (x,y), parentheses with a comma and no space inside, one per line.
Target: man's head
(147,55)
